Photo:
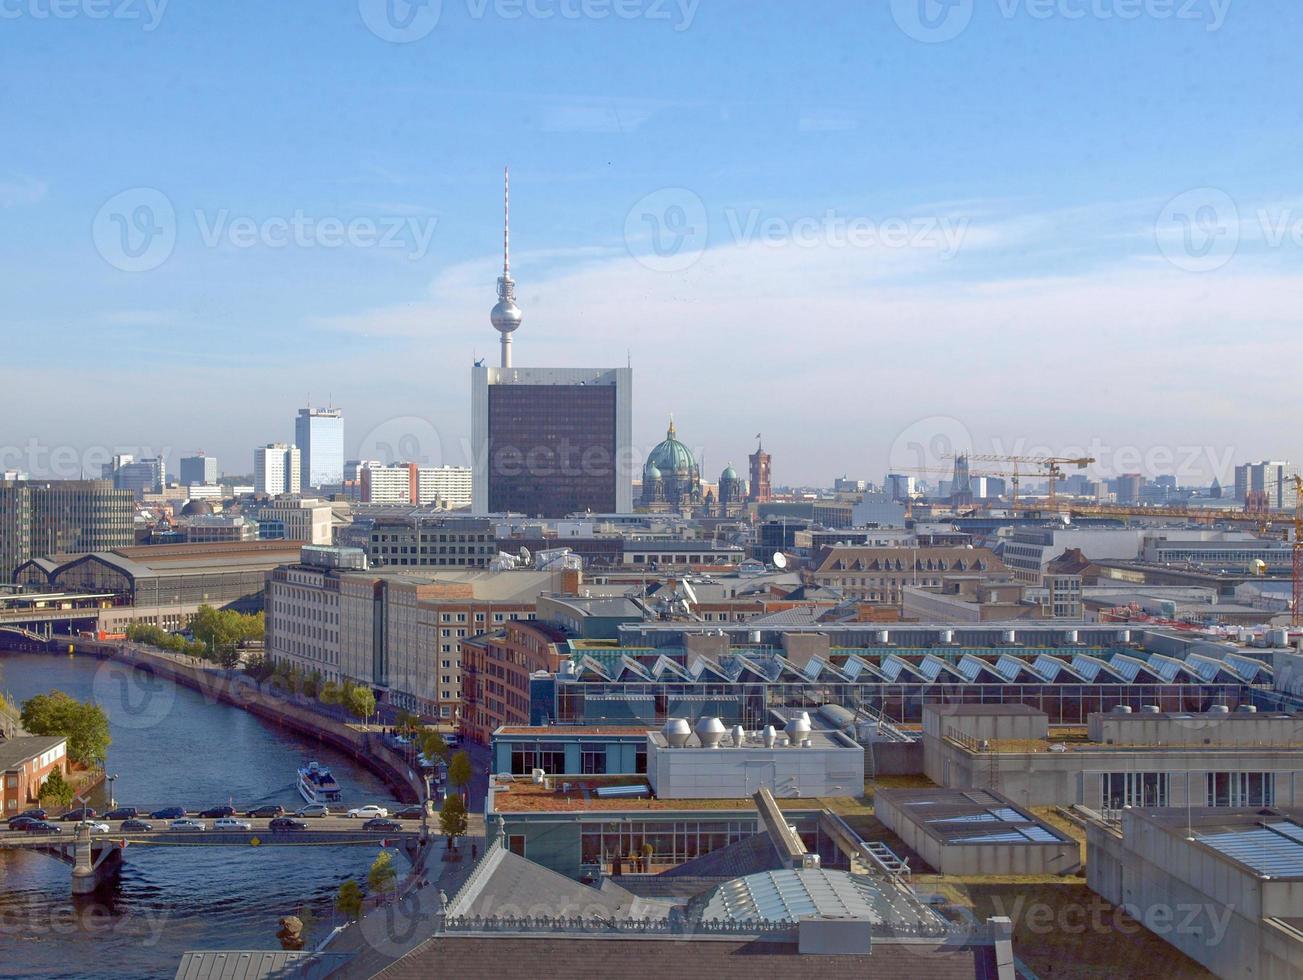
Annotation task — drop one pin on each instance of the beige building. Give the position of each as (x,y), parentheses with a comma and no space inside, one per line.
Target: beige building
(881,575)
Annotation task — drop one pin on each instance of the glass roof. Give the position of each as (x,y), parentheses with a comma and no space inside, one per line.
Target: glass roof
(1274,849)
(786,896)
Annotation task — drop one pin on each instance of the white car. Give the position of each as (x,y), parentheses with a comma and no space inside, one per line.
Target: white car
(230,823)
(95,826)
(368,812)
(188,823)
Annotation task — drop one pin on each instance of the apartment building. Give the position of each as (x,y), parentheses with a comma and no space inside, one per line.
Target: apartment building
(880,575)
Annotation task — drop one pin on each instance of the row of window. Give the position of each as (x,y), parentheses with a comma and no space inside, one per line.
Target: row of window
(1230,789)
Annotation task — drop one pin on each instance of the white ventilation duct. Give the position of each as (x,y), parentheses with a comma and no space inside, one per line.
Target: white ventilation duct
(739,736)
(770,736)
(798,729)
(710,732)
(677,731)
(1122,709)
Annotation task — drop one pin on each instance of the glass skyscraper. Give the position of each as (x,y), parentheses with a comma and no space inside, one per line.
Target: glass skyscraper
(319,434)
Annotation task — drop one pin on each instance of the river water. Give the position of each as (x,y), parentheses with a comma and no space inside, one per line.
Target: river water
(171,746)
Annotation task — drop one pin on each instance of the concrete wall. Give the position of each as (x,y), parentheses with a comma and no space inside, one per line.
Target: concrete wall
(736,773)
(1231,728)
(984,725)
(893,758)
(1201,903)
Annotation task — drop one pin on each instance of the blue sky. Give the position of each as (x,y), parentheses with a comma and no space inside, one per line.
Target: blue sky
(819,221)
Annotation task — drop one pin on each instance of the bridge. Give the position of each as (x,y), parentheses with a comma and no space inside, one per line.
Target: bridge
(96,856)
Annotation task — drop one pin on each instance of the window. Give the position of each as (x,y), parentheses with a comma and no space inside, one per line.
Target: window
(593,761)
(1241,788)
(1119,789)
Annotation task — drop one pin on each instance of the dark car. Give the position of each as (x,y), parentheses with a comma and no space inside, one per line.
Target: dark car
(168,813)
(134,824)
(81,813)
(270,810)
(410,813)
(382,823)
(43,827)
(216,812)
(122,813)
(36,814)
(22,823)
(287,823)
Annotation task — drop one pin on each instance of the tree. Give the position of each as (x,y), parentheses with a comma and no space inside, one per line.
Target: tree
(382,876)
(361,702)
(460,771)
(85,725)
(433,746)
(349,899)
(452,819)
(56,790)
(331,693)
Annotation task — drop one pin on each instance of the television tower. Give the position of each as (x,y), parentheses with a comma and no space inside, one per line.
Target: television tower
(506,315)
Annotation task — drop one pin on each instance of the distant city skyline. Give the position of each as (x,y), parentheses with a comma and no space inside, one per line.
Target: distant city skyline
(849,251)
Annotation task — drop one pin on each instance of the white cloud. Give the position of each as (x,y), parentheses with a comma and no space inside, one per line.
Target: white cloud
(20,191)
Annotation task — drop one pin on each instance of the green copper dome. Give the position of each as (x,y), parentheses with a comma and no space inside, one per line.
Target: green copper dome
(671,456)
(728,474)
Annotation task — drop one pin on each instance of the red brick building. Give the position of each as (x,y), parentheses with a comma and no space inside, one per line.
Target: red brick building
(25,762)
(495,671)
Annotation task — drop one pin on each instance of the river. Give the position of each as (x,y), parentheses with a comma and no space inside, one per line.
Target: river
(172,746)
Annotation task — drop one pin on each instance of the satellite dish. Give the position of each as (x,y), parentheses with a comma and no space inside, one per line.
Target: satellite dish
(780,560)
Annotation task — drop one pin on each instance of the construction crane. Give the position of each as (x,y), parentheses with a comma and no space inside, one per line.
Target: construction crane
(1011,476)
(1051,467)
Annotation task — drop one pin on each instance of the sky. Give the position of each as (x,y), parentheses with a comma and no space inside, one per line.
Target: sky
(875,232)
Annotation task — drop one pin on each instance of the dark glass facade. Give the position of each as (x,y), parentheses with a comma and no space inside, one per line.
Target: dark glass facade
(552,449)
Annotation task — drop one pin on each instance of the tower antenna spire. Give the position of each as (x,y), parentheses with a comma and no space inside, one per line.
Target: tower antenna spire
(506,316)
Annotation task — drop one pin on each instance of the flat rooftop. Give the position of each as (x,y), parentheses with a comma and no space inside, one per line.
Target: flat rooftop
(522,795)
(959,817)
(1264,842)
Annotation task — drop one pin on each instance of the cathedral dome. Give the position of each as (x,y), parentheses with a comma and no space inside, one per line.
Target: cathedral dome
(728,474)
(672,456)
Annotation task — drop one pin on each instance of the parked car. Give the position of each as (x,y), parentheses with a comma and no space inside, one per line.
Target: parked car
(313,810)
(135,824)
(231,823)
(36,813)
(218,811)
(43,827)
(370,810)
(21,823)
(168,813)
(95,826)
(287,823)
(410,813)
(81,813)
(270,810)
(122,813)
(187,823)
(382,823)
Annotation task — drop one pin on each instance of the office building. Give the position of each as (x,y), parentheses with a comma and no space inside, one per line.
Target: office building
(423,540)
(409,483)
(319,434)
(1268,485)
(140,476)
(61,517)
(306,520)
(548,441)
(277,469)
(198,470)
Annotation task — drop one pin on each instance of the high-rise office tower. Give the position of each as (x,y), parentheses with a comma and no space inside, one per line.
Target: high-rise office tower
(319,434)
(61,517)
(198,470)
(140,476)
(548,441)
(277,469)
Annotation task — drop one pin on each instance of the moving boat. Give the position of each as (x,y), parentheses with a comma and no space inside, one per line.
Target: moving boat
(317,785)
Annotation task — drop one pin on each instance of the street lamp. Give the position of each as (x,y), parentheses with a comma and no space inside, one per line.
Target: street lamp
(112,802)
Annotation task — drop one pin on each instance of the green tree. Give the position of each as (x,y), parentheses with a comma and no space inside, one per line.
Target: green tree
(361,702)
(349,899)
(452,819)
(57,791)
(382,876)
(331,693)
(460,771)
(85,725)
(433,746)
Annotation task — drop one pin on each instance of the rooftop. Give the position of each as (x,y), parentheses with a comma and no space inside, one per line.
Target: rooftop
(15,751)
(965,817)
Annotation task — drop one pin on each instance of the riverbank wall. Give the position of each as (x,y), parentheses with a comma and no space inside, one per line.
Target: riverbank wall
(272,704)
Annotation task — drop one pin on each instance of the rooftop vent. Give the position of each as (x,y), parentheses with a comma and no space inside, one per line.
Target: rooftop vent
(677,731)
(770,736)
(710,732)
(1219,709)
(798,729)
(1248,709)
(1122,709)
(1150,709)
(739,736)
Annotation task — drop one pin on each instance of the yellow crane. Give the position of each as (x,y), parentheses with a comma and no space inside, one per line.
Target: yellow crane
(1051,467)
